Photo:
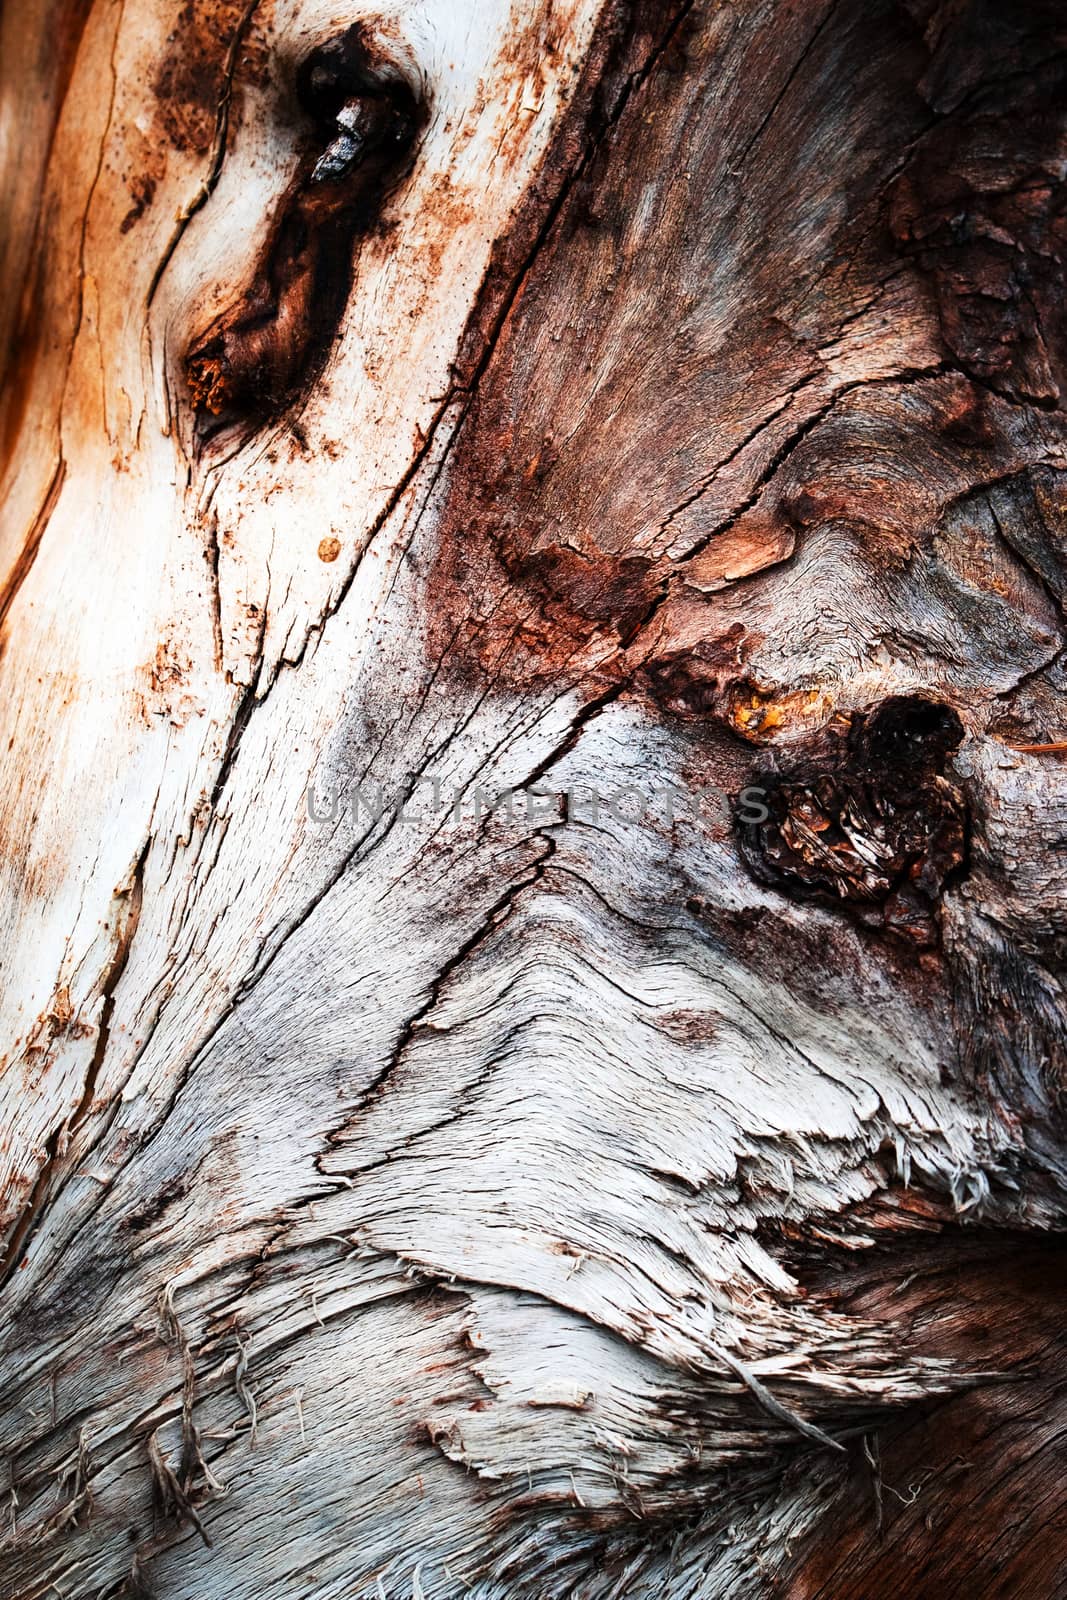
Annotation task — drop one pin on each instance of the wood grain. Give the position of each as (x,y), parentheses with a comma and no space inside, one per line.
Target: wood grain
(534,555)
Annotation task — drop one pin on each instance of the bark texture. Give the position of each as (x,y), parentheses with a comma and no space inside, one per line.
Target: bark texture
(534,555)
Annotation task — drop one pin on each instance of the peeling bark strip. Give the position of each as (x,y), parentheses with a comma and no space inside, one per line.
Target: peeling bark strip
(653,1202)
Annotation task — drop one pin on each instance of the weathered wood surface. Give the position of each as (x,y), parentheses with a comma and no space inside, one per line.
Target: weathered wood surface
(640,1190)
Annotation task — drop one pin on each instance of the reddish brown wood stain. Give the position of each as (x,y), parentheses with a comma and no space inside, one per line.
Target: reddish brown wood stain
(547,530)
(971,1493)
(547,527)
(59,34)
(191,78)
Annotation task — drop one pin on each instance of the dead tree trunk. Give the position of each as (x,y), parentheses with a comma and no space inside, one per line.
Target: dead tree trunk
(534,802)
